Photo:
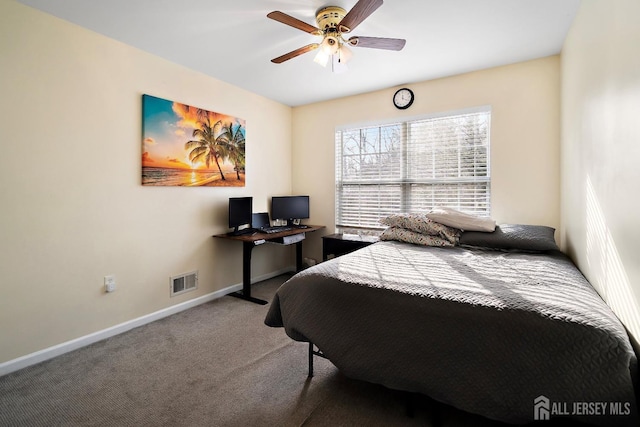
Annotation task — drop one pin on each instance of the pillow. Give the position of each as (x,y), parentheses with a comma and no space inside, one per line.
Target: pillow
(421,224)
(461,220)
(535,238)
(408,236)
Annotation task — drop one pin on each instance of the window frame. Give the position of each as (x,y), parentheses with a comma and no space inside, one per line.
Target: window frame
(405,181)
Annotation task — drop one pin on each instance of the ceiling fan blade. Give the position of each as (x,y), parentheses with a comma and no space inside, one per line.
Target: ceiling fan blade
(358,13)
(377,42)
(294,53)
(293,22)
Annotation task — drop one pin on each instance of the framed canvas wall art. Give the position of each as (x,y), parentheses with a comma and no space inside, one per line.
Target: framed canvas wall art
(188,146)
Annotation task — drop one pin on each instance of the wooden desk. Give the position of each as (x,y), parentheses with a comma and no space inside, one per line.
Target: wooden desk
(249,241)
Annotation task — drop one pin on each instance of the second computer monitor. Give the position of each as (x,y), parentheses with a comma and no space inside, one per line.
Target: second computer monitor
(290,208)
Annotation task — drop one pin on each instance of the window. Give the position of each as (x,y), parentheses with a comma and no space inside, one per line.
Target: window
(412,166)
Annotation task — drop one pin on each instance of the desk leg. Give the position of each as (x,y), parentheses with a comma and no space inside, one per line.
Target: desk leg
(299,256)
(247,247)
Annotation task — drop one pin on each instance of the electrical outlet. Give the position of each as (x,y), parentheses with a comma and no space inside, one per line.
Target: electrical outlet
(109,283)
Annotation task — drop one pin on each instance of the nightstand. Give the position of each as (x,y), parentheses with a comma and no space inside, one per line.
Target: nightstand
(340,244)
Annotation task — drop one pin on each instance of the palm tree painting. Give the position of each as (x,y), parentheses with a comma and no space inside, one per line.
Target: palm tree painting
(188,146)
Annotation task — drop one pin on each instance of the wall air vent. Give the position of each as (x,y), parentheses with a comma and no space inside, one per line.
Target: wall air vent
(184,283)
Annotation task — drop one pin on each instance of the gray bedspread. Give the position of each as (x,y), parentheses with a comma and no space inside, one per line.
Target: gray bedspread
(485,331)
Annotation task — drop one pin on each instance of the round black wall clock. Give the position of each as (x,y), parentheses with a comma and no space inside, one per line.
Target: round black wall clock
(403,98)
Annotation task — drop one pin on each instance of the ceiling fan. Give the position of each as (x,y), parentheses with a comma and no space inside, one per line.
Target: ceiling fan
(333,23)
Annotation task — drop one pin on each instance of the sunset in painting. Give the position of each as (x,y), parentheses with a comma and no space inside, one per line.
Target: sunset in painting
(189,146)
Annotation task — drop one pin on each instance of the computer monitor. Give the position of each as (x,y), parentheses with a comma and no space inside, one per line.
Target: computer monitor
(260,220)
(240,210)
(290,208)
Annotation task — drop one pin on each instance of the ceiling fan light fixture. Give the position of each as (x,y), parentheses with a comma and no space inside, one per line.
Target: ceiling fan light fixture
(322,58)
(330,45)
(344,54)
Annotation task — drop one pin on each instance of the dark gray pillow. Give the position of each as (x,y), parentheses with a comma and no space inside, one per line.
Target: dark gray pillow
(537,238)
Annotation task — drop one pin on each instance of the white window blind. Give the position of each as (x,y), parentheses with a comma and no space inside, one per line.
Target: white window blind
(412,166)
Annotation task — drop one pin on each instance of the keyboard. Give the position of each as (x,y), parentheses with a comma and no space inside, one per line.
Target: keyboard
(276,229)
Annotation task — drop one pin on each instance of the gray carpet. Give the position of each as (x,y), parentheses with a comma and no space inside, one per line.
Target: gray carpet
(213,365)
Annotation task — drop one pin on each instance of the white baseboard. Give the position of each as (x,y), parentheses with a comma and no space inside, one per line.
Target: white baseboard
(65,347)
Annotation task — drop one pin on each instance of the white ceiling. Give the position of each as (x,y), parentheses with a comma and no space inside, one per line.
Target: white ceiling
(234,41)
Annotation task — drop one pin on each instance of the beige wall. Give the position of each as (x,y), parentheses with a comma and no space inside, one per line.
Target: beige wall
(525,138)
(601,151)
(73,209)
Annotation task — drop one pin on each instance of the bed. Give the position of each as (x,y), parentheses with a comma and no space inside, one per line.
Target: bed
(486,330)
